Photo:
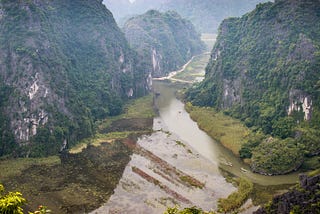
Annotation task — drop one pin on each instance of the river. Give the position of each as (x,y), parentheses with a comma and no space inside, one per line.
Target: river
(147,185)
(179,122)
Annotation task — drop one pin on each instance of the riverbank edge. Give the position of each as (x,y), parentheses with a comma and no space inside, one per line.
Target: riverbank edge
(218,126)
(209,120)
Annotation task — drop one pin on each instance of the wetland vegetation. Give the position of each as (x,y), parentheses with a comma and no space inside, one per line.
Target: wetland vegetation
(84,178)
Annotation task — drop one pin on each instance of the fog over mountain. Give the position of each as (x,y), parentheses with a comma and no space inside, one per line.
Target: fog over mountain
(206,15)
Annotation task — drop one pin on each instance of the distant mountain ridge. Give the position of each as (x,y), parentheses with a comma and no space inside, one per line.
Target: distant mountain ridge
(63,65)
(264,70)
(164,40)
(206,15)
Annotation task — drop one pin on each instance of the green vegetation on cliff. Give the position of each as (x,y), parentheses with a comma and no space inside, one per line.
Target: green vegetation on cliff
(264,71)
(164,40)
(64,64)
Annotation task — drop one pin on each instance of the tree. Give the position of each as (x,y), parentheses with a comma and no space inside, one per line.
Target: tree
(11,202)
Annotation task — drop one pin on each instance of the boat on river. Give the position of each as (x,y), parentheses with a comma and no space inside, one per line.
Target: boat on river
(243,169)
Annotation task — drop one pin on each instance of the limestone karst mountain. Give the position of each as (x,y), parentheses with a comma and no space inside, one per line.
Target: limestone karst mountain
(164,40)
(63,64)
(264,70)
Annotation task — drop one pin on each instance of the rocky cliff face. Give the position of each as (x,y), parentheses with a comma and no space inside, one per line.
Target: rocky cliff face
(302,199)
(164,40)
(63,64)
(266,61)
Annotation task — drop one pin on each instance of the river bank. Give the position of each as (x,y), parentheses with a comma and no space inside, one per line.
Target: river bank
(229,132)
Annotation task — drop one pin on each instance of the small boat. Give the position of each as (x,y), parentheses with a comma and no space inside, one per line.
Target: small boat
(243,169)
(228,164)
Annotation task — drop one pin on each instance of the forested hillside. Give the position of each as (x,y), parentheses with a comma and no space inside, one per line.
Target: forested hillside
(164,40)
(264,70)
(63,64)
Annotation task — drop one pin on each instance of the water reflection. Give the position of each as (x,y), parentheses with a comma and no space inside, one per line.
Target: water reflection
(178,121)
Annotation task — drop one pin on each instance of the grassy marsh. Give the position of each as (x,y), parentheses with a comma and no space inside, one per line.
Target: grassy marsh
(230,132)
(138,109)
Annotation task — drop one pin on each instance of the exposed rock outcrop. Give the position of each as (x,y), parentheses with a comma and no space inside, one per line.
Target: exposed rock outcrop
(300,101)
(302,199)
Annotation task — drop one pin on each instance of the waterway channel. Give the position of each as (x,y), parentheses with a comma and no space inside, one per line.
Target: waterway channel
(178,121)
(149,183)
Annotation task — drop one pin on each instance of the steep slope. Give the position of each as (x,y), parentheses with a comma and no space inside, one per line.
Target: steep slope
(264,70)
(165,40)
(206,15)
(63,64)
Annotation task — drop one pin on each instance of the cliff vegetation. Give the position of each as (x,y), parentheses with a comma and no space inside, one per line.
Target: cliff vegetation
(63,65)
(164,40)
(264,71)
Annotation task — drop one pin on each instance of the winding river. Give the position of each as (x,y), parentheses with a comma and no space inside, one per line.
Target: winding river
(153,179)
(178,121)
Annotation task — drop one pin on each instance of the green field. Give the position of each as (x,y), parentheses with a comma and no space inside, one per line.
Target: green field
(195,71)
